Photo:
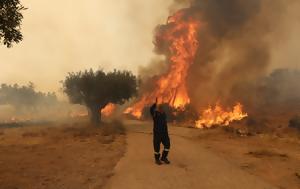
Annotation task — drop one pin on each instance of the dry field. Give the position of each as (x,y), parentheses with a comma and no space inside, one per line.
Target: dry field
(262,153)
(67,156)
(267,149)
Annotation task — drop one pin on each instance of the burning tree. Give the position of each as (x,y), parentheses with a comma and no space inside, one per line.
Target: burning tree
(178,40)
(10,21)
(97,89)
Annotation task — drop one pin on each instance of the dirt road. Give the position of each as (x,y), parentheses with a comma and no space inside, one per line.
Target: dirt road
(192,165)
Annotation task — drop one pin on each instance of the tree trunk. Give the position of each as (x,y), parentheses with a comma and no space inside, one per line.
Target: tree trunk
(95,115)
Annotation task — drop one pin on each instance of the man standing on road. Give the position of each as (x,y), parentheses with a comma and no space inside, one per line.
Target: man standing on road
(160,133)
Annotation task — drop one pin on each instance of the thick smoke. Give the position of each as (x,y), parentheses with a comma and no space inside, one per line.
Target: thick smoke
(234,57)
(234,49)
(279,90)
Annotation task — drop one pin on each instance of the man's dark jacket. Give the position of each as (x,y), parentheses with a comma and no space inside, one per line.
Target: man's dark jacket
(159,120)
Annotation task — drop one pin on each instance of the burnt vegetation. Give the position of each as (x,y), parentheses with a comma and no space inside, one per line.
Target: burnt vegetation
(175,115)
(10,22)
(96,89)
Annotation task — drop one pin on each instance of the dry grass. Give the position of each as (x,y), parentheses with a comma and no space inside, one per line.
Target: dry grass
(31,134)
(68,156)
(272,157)
(295,122)
(114,128)
(267,153)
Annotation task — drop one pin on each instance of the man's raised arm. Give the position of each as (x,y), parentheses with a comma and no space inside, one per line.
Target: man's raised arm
(152,108)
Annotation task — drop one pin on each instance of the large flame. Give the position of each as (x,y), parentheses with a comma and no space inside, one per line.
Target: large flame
(180,34)
(108,109)
(218,116)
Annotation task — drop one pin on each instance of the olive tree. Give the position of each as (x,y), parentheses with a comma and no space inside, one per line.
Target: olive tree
(95,89)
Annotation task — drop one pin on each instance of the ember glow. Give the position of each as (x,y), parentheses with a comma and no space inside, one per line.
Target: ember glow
(78,114)
(218,116)
(108,109)
(17,120)
(180,34)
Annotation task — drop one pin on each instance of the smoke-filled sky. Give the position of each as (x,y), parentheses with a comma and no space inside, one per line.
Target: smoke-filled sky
(240,43)
(70,35)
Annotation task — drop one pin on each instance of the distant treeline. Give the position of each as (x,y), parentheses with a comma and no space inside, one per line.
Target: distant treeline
(24,98)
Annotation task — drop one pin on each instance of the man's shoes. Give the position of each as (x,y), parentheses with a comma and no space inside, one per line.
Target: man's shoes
(157,161)
(165,160)
(164,157)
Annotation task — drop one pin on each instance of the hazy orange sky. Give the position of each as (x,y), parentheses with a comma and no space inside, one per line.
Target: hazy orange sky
(70,35)
(61,36)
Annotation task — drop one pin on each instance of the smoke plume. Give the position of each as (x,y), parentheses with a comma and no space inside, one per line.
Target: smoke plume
(235,53)
(234,49)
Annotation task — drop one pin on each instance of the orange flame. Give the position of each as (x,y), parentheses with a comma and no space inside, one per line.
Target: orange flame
(180,33)
(108,109)
(217,116)
(180,36)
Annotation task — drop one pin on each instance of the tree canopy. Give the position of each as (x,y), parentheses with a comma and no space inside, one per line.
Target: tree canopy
(96,89)
(10,21)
